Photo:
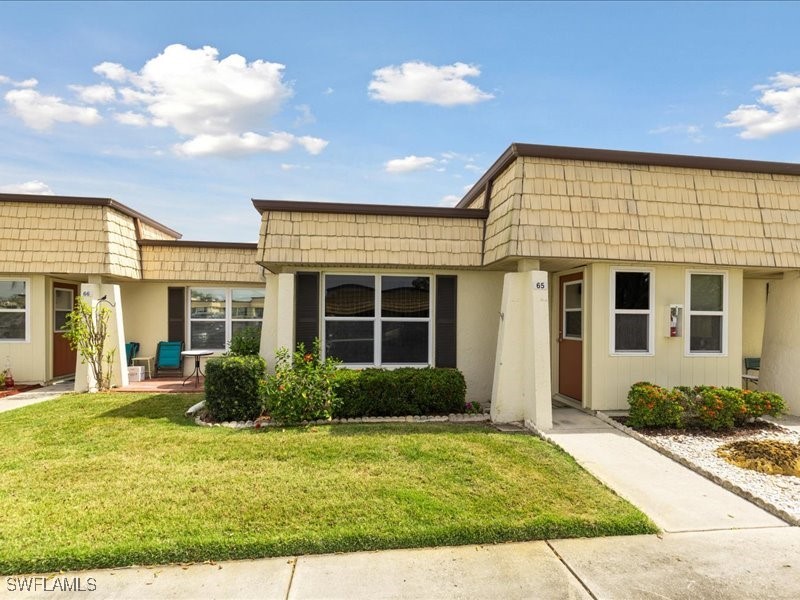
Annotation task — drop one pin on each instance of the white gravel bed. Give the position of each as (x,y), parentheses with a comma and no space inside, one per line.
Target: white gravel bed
(780,491)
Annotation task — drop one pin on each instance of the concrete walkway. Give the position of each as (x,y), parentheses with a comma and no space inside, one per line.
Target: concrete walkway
(42,394)
(749,563)
(674,497)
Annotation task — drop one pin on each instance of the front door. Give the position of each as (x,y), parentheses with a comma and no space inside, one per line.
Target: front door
(570,337)
(63,302)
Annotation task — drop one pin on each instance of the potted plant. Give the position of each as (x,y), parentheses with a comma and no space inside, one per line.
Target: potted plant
(8,379)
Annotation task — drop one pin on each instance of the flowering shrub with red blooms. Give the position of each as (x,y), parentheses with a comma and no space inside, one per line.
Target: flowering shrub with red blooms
(654,406)
(701,406)
(302,388)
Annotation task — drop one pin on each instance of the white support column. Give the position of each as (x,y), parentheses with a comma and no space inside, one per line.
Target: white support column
(92,293)
(285,329)
(269,325)
(522,390)
(780,353)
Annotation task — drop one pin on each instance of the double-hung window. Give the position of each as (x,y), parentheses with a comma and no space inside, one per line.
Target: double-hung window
(707,301)
(632,311)
(215,314)
(378,319)
(13,310)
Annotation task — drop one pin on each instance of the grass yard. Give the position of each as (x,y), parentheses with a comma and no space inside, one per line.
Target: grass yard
(120,479)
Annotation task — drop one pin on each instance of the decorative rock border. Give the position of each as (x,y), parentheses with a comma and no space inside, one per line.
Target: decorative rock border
(451,418)
(731,487)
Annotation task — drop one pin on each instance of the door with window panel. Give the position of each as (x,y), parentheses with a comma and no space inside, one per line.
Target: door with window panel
(64,357)
(570,337)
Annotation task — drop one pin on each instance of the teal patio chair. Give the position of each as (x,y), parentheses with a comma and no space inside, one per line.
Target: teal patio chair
(168,357)
(131,350)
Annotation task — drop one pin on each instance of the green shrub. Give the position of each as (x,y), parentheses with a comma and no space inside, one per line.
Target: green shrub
(702,406)
(245,342)
(302,388)
(718,408)
(399,392)
(235,387)
(654,406)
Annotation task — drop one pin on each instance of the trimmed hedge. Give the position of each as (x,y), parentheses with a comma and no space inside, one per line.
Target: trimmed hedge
(702,406)
(235,387)
(399,392)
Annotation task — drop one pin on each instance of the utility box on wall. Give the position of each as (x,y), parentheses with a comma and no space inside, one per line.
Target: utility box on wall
(674,321)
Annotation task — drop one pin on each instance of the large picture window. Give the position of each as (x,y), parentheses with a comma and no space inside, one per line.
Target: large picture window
(13,310)
(378,320)
(707,313)
(215,314)
(632,312)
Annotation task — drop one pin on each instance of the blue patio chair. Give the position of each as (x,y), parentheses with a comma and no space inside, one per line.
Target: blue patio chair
(131,350)
(168,357)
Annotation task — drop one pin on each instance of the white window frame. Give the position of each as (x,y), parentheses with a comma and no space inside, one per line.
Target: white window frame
(566,310)
(26,310)
(377,319)
(613,312)
(688,312)
(228,320)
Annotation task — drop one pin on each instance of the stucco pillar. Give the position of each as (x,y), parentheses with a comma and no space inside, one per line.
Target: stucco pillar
(277,330)
(780,354)
(522,390)
(115,341)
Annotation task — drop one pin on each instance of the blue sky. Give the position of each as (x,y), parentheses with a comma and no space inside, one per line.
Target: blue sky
(395,103)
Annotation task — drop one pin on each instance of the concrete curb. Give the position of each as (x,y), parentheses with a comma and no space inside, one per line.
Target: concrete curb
(731,487)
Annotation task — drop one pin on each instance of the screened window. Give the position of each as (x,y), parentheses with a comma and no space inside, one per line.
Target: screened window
(706,313)
(13,310)
(573,310)
(377,320)
(215,314)
(632,296)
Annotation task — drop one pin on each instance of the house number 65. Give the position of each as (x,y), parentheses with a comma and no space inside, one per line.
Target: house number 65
(541,285)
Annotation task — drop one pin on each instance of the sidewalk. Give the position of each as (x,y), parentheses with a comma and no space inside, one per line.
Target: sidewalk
(738,564)
(674,497)
(35,396)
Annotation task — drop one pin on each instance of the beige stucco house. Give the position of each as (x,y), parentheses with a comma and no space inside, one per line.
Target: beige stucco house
(564,272)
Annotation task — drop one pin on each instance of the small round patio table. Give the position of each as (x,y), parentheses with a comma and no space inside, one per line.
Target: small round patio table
(197,372)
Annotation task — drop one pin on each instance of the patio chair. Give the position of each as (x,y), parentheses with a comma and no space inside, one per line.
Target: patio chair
(751,364)
(168,357)
(131,350)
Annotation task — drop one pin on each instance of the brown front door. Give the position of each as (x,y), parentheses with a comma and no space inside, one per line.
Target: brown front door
(63,301)
(570,336)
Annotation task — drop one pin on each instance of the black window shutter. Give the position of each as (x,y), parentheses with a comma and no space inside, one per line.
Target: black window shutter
(176,314)
(445,349)
(306,309)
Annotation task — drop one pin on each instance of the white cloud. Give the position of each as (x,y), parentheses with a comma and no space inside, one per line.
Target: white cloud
(230,144)
(219,104)
(131,118)
(94,94)
(112,71)
(422,82)
(328,91)
(40,112)
(306,117)
(449,200)
(693,132)
(27,83)
(289,167)
(409,164)
(777,109)
(29,187)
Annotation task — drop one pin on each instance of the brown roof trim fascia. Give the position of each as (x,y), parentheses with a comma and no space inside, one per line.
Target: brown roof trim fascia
(506,158)
(631,158)
(87,201)
(198,244)
(368,209)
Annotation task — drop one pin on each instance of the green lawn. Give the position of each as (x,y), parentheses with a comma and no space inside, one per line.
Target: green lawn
(120,479)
